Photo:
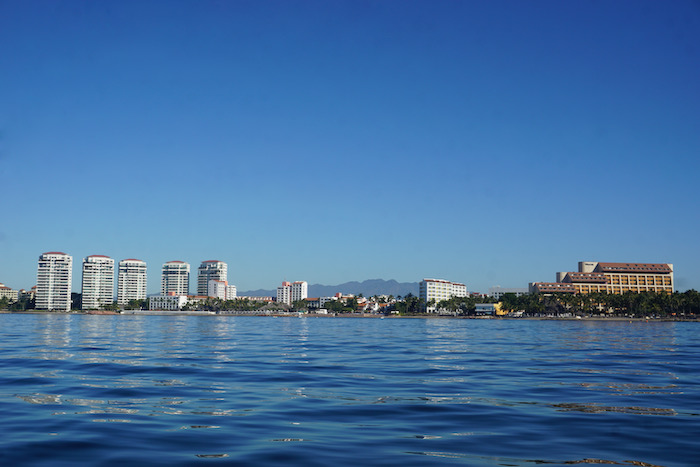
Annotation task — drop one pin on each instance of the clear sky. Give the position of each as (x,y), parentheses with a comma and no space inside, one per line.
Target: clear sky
(485,142)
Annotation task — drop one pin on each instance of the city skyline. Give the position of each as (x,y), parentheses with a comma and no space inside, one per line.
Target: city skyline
(486,143)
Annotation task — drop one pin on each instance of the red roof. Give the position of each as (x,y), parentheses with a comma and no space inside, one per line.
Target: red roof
(588,277)
(98,256)
(212,261)
(132,259)
(174,262)
(54,253)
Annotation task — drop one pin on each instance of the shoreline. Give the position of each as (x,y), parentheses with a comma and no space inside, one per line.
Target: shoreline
(346,315)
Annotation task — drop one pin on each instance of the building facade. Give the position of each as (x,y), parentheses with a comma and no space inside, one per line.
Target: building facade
(131,283)
(8,293)
(169,302)
(300,291)
(612,278)
(284,293)
(439,290)
(98,282)
(498,292)
(217,289)
(175,278)
(212,270)
(54,280)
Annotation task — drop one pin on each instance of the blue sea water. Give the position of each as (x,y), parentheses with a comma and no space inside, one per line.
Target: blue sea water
(226,390)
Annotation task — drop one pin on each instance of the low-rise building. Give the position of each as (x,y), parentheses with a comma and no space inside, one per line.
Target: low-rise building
(433,291)
(498,292)
(10,294)
(170,302)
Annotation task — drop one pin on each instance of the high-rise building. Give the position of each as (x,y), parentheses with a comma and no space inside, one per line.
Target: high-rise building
(54,280)
(176,278)
(439,290)
(211,270)
(217,289)
(299,291)
(98,282)
(290,292)
(132,281)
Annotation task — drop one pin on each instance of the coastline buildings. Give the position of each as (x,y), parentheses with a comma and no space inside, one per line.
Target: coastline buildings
(612,278)
(175,278)
(439,290)
(212,270)
(98,282)
(54,279)
(131,283)
(290,292)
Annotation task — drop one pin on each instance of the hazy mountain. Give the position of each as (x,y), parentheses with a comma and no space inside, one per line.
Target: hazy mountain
(367,288)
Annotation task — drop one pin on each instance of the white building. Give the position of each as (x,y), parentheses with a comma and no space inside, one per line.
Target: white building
(208,271)
(299,291)
(98,282)
(167,302)
(290,292)
(498,292)
(176,278)
(217,289)
(131,284)
(284,293)
(231,292)
(6,292)
(439,290)
(54,280)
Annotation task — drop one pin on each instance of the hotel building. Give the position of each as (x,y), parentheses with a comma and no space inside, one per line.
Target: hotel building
(54,280)
(131,284)
(439,290)
(98,282)
(612,278)
(176,278)
(212,270)
(217,289)
(290,292)
(6,292)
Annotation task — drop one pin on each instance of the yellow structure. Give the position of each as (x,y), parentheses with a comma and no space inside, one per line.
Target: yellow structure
(613,278)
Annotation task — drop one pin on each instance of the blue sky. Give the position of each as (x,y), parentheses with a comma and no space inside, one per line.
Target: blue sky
(491,143)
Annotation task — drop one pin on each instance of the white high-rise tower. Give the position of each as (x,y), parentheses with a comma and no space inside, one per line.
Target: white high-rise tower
(211,270)
(54,280)
(132,281)
(98,282)
(176,278)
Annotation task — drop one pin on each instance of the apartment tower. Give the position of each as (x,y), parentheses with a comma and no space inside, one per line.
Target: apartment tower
(132,281)
(98,282)
(176,278)
(54,280)
(211,270)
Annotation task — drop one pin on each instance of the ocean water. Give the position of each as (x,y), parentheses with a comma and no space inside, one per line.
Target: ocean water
(226,390)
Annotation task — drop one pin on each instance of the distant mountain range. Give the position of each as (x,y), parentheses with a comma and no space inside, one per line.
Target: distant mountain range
(367,288)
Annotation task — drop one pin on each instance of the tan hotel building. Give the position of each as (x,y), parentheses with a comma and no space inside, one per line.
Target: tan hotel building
(612,278)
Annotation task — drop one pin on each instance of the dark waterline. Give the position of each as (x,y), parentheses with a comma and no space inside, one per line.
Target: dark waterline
(179,390)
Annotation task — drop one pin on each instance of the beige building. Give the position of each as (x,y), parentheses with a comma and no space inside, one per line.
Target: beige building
(612,278)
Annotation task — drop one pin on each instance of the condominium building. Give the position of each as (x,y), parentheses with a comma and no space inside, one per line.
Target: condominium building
(300,291)
(290,292)
(284,293)
(498,292)
(176,278)
(54,280)
(98,282)
(231,292)
(613,278)
(169,302)
(131,284)
(212,270)
(217,289)
(439,290)
(8,293)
